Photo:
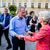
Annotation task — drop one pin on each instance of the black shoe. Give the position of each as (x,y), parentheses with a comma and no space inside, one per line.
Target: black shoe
(9,47)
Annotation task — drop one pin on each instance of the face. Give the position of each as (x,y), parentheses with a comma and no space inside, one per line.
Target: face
(33,18)
(40,20)
(44,23)
(22,12)
(5,11)
(32,14)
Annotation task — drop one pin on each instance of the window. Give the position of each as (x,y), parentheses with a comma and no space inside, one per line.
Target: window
(3,4)
(25,5)
(49,0)
(12,1)
(39,5)
(46,5)
(19,4)
(32,5)
(8,4)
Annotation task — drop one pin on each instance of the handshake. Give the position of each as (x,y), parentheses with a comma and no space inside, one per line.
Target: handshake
(22,36)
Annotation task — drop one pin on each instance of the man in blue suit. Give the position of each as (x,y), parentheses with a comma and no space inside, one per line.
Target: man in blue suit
(4,26)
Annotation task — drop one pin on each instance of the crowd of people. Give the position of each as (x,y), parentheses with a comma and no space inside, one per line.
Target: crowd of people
(24,27)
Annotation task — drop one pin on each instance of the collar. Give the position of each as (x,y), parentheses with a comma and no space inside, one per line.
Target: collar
(17,17)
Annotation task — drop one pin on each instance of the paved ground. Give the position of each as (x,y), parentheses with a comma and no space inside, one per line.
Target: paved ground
(29,45)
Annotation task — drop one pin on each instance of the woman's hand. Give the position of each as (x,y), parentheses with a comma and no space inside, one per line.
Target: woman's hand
(29,32)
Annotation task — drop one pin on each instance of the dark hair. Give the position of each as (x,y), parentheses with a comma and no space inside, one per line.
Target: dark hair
(31,12)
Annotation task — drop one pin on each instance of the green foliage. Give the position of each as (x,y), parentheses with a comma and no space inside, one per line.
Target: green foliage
(12,13)
(12,9)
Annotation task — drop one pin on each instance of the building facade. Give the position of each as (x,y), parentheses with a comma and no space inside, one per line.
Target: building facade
(36,4)
(26,3)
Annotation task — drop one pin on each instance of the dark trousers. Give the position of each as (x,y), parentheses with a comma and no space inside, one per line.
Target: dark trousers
(18,43)
(1,32)
(6,34)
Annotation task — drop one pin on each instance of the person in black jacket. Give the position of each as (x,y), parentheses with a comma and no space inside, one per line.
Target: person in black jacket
(31,14)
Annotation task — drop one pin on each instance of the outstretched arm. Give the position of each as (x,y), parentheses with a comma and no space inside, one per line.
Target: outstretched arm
(37,36)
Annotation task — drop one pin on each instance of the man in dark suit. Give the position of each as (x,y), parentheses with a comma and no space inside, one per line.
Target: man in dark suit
(4,26)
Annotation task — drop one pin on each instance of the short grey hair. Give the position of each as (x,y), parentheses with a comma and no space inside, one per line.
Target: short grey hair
(19,8)
(45,15)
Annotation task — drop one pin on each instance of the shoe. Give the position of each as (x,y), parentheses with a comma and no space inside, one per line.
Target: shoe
(9,47)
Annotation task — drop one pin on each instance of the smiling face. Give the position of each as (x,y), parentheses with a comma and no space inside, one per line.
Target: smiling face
(44,17)
(43,21)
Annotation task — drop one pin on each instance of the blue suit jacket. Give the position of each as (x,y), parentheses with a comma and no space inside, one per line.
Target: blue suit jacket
(7,19)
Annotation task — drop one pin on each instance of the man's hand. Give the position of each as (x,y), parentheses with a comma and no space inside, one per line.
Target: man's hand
(20,36)
(4,29)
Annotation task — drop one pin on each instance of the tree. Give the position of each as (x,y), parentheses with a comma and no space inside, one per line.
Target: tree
(12,9)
